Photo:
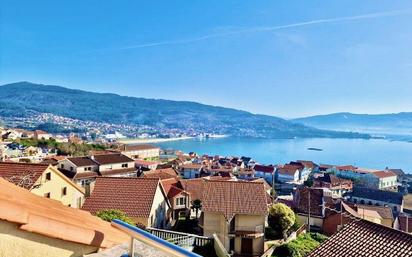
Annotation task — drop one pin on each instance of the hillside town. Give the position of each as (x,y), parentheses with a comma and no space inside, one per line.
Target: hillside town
(94,130)
(206,205)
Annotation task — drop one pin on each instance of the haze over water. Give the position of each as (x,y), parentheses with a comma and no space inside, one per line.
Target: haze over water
(373,153)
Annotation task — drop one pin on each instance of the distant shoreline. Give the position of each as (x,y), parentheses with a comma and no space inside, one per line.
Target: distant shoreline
(151,140)
(162,140)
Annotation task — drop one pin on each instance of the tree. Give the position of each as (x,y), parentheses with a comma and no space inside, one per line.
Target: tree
(111,214)
(281,218)
(197,205)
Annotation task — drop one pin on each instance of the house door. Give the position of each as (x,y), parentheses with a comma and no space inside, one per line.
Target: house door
(247,246)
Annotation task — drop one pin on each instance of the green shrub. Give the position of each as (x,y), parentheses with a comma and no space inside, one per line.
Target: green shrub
(301,246)
(109,215)
(281,218)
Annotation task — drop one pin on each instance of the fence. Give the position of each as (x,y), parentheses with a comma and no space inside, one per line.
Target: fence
(151,240)
(179,238)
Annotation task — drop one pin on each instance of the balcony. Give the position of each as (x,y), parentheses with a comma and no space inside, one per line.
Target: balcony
(155,243)
(248,231)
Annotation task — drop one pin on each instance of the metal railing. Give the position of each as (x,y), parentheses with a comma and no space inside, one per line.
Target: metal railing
(152,240)
(253,229)
(179,238)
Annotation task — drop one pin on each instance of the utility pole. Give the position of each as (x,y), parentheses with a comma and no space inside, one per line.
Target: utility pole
(308,209)
(341,204)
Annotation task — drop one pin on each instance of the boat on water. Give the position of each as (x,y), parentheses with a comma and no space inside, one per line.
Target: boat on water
(314,149)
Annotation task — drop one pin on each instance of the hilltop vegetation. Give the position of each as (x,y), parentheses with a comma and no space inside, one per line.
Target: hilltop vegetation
(24,98)
(62,148)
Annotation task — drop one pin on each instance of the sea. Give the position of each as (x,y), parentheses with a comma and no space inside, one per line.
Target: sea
(365,153)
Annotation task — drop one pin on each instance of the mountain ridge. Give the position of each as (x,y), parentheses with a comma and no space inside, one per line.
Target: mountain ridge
(25,98)
(387,123)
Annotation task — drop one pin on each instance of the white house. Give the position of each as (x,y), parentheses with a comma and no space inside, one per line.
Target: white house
(287,173)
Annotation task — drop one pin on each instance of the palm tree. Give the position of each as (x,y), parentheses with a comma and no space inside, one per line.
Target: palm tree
(197,205)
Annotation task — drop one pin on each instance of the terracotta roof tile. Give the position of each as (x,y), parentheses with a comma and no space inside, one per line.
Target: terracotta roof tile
(362,238)
(161,174)
(52,219)
(137,147)
(194,186)
(134,196)
(384,174)
(22,174)
(118,171)
(263,168)
(103,159)
(82,161)
(288,169)
(234,197)
(383,211)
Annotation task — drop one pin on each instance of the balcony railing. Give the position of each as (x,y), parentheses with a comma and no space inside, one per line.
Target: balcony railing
(248,229)
(152,241)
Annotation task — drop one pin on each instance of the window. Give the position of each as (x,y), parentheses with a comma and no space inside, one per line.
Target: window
(62,166)
(125,165)
(181,201)
(79,202)
(71,168)
(87,168)
(47,195)
(64,191)
(48,176)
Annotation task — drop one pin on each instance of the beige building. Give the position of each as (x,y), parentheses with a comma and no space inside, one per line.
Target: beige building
(140,151)
(38,227)
(40,134)
(236,212)
(84,170)
(43,180)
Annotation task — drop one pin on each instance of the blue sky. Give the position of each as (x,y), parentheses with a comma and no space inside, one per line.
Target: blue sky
(285,58)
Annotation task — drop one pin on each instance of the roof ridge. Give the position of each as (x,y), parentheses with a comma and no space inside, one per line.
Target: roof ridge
(130,178)
(24,163)
(235,181)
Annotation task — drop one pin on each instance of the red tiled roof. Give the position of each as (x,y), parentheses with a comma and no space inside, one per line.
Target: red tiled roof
(172,191)
(383,211)
(103,159)
(52,219)
(191,166)
(347,167)
(263,168)
(145,163)
(234,197)
(194,187)
(161,174)
(137,147)
(134,196)
(118,172)
(307,164)
(82,161)
(363,238)
(22,174)
(384,174)
(288,169)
